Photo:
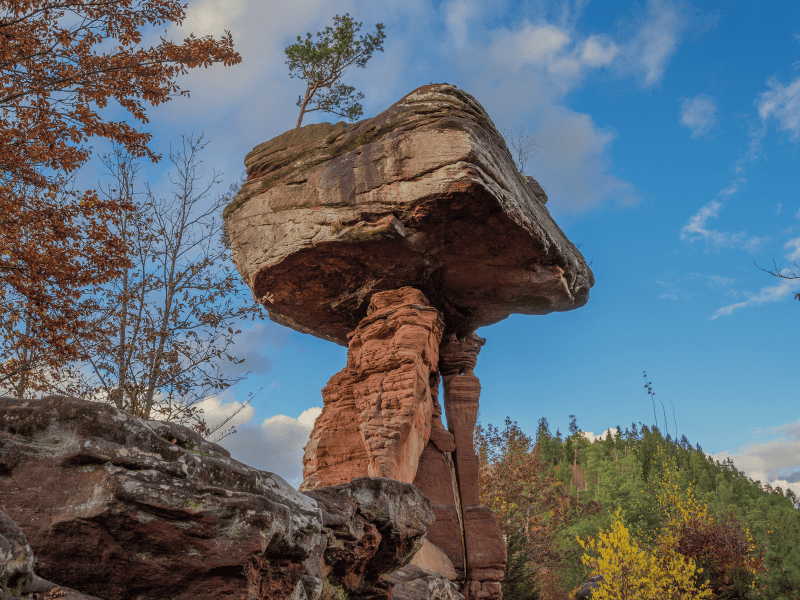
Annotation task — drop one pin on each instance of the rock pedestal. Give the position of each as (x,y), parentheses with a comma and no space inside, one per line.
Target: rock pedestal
(376,419)
(485,547)
(382,418)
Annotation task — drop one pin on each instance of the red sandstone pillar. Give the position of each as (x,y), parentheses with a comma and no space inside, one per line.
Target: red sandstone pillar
(377,413)
(485,547)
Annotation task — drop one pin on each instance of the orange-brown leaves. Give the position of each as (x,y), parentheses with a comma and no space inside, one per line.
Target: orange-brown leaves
(54,242)
(527,499)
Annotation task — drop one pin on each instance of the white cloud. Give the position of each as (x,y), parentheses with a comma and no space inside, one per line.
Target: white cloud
(783,103)
(771,461)
(458,14)
(793,246)
(552,51)
(592,437)
(276,445)
(698,114)
(696,228)
(756,135)
(655,43)
(574,164)
(779,209)
(215,413)
(775,293)
(732,188)
(598,51)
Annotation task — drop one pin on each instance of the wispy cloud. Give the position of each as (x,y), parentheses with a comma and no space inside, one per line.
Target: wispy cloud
(785,288)
(793,246)
(756,136)
(697,227)
(732,188)
(655,43)
(678,285)
(698,114)
(782,103)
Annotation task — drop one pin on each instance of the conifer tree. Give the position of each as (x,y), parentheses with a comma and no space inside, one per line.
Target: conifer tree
(322,65)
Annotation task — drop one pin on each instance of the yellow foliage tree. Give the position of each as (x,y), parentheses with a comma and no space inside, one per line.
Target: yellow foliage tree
(631,573)
(692,530)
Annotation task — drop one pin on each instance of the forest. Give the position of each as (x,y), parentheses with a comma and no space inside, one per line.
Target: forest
(653,514)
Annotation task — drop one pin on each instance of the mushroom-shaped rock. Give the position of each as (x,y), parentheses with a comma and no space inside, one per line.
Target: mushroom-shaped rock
(425,195)
(399,236)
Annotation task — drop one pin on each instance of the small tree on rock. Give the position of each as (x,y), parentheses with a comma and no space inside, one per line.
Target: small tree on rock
(523,150)
(322,65)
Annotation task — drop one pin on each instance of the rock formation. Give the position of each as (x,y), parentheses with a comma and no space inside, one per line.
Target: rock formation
(399,236)
(588,588)
(378,410)
(425,194)
(113,507)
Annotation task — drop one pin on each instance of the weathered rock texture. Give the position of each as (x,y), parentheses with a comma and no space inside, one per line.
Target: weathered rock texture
(425,194)
(394,235)
(376,418)
(414,583)
(17,577)
(485,546)
(116,507)
(434,479)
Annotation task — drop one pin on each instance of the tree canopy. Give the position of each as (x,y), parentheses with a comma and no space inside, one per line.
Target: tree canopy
(55,243)
(322,65)
(668,501)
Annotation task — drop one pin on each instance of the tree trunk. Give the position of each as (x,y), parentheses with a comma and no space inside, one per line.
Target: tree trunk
(309,93)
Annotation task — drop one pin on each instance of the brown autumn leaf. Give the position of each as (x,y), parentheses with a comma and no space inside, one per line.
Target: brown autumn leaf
(55,243)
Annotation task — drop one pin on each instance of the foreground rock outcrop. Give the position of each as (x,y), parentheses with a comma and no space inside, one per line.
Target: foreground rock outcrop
(399,236)
(115,507)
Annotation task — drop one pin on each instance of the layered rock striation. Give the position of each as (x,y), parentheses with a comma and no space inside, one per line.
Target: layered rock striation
(376,418)
(424,194)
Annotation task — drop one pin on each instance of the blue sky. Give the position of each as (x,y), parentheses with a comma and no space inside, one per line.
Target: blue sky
(666,139)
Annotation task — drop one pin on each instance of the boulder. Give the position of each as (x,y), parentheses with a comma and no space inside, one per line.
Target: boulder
(17,577)
(426,195)
(414,583)
(116,507)
(585,593)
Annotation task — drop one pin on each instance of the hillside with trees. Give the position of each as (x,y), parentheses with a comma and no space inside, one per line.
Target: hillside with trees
(638,503)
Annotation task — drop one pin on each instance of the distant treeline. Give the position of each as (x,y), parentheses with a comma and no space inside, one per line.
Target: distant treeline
(624,471)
